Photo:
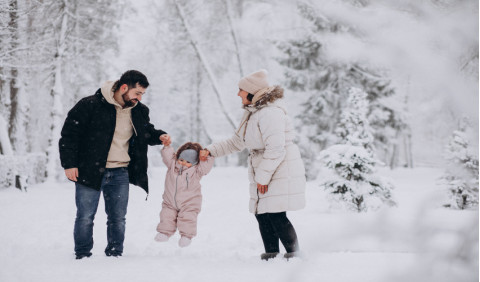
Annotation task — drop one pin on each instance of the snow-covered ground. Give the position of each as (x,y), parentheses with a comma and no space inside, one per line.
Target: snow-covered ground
(416,241)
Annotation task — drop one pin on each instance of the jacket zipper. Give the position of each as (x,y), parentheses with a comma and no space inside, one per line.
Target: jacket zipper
(258,196)
(176,188)
(135,132)
(112,132)
(258,200)
(187,180)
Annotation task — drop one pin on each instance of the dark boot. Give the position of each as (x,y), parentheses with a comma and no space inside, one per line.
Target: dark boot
(291,255)
(267,256)
(113,254)
(82,256)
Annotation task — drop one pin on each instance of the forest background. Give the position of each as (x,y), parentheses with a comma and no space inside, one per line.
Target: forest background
(416,60)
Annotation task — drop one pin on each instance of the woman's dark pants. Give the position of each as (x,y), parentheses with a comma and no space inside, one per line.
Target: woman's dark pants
(275,227)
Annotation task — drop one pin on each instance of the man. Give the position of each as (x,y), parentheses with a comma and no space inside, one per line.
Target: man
(103,147)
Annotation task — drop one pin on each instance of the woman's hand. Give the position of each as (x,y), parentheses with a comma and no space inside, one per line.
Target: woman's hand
(203,155)
(262,188)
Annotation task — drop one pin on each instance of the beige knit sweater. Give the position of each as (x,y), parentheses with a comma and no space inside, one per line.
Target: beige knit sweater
(118,154)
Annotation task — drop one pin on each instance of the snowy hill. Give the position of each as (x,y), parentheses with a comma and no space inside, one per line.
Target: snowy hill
(416,241)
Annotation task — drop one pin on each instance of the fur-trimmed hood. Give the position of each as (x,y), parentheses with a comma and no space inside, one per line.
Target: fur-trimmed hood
(266,98)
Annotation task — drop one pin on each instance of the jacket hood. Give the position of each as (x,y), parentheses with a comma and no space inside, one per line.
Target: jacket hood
(108,93)
(269,97)
(272,97)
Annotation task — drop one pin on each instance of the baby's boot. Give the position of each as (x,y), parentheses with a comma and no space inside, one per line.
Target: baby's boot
(184,241)
(161,237)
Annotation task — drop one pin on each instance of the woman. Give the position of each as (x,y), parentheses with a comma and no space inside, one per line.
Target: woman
(276,171)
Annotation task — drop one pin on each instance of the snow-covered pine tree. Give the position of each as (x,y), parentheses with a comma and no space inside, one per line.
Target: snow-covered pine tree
(326,81)
(354,182)
(461,175)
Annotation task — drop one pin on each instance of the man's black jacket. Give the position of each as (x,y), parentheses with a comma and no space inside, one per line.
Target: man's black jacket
(87,135)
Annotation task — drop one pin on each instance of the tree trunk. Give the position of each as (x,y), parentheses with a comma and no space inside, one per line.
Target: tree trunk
(57,94)
(13,26)
(18,110)
(243,155)
(198,105)
(5,145)
(19,115)
(394,156)
(204,64)
(5,69)
(3,106)
(201,129)
(407,139)
(19,106)
(408,149)
(234,37)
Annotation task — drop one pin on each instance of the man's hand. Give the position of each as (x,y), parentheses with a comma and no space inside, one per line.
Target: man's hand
(72,173)
(166,140)
(203,155)
(262,188)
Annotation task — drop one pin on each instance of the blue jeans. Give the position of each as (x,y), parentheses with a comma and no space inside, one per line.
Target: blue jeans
(115,193)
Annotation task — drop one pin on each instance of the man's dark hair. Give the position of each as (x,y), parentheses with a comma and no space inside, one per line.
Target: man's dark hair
(131,78)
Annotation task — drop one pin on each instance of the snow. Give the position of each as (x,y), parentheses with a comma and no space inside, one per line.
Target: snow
(411,242)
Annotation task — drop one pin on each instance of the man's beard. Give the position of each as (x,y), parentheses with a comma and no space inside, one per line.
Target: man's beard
(128,102)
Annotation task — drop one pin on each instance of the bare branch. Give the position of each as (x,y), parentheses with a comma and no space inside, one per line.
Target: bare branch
(204,64)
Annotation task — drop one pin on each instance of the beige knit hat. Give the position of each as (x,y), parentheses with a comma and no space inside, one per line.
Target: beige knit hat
(254,82)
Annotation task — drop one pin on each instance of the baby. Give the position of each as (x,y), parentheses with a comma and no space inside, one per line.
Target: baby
(182,198)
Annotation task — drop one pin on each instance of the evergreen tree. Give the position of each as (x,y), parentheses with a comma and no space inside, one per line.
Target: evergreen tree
(326,81)
(354,182)
(462,171)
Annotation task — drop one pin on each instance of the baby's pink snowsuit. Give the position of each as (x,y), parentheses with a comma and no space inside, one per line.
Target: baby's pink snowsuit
(182,198)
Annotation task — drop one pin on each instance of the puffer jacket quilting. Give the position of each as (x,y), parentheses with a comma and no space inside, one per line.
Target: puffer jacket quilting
(268,133)
(182,185)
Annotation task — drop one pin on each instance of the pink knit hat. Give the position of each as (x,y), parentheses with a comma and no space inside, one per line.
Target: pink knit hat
(254,82)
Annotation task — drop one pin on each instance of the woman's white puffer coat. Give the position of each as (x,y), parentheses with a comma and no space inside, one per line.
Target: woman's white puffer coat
(267,132)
